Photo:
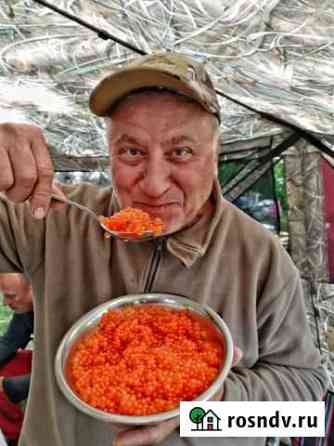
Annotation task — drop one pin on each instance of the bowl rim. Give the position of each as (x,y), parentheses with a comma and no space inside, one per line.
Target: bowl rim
(94,315)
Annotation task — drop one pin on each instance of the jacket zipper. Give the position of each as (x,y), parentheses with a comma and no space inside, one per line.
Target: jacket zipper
(154,265)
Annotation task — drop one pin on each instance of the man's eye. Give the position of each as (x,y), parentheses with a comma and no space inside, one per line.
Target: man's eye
(134,152)
(182,153)
(131,153)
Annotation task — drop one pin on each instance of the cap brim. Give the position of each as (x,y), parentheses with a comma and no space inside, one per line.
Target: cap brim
(118,85)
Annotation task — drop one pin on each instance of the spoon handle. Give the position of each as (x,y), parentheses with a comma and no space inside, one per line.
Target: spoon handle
(77,205)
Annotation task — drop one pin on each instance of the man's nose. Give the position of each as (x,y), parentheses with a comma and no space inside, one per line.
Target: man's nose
(156,178)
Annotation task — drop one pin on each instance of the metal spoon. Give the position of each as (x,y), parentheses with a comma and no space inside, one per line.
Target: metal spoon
(125,236)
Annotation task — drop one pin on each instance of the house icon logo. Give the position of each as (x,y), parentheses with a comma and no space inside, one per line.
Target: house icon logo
(204,421)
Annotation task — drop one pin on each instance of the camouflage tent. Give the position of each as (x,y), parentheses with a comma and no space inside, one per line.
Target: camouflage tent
(273,66)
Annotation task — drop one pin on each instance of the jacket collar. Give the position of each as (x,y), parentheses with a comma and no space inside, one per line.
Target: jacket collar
(191,243)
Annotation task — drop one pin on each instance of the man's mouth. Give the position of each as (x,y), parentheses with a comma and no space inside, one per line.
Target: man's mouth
(155,205)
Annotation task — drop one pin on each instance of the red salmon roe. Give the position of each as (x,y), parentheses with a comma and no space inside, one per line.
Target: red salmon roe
(134,221)
(142,360)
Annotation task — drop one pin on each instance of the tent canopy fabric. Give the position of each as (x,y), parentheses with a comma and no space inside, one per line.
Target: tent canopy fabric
(274,56)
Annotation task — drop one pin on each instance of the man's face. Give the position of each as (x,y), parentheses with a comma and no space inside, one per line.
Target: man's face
(163,157)
(17,292)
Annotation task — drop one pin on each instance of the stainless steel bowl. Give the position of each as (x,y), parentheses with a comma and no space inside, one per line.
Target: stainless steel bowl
(91,319)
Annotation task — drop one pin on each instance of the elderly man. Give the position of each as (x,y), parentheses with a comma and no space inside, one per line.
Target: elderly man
(162,119)
(17,294)
(15,365)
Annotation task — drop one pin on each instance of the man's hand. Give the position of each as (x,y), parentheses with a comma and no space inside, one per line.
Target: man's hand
(154,435)
(147,436)
(26,170)
(237,355)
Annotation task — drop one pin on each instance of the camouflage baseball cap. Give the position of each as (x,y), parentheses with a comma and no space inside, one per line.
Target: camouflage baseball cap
(165,70)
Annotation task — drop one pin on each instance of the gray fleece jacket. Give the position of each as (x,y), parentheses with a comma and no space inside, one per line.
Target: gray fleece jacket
(225,260)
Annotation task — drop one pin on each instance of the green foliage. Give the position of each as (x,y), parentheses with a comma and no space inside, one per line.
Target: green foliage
(5,316)
(280,182)
(227,171)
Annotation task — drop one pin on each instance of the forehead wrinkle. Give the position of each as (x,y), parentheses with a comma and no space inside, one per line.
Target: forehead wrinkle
(163,121)
(135,132)
(127,115)
(141,103)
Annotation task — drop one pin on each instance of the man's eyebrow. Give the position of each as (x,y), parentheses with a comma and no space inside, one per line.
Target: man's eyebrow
(127,139)
(174,140)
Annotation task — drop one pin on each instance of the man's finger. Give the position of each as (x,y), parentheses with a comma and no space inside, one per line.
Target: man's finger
(24,172)
(147,436)
(117,427)
(135,437)
(40,197)
(237,355)
(218,396)
(6,175)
